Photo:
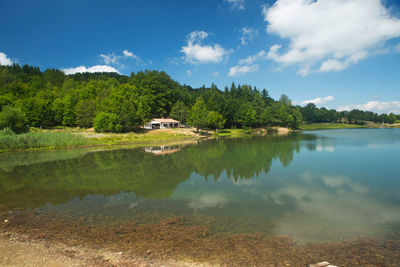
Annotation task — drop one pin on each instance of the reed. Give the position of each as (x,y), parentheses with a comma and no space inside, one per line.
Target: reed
(35,140)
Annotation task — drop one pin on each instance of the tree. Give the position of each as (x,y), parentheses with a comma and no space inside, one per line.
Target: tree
(215,120)
(179,111)
(198,115)
(14,119)
(130,104)
(245,115)
(285,100)
(85,112)
(391,118)
(107,122)
(297,118)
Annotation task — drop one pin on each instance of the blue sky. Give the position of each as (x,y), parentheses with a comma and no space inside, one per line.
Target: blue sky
(336,53)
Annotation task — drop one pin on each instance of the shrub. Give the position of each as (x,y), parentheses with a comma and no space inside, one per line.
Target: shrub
(107,122)
(14,119)
(6,131)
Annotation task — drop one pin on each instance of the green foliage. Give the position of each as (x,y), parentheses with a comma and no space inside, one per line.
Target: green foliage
(285,100)
(246,115)
(324,126)
(40,140)
(85,113)
(7,131)
(179,111)
(14,119)
(391,118)
(51,98)
(215,120)
(313,114)
(198,115)
(130,104)
(107,122)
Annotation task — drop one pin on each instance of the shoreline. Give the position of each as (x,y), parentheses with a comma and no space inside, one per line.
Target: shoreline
(174,242)
(184,136)
(112,140)
(22,250)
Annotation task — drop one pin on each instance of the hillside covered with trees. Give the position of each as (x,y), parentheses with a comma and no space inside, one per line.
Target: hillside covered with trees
(116,103)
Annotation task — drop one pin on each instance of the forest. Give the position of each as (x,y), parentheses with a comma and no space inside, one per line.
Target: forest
(111,102)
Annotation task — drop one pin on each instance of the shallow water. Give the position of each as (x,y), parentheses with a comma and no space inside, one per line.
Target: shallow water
(311,186)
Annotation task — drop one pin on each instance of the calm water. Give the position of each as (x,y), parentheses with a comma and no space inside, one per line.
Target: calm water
(311,186)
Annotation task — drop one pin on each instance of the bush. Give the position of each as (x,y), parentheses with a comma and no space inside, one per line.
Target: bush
(6,131)
(107,122)
(14,119)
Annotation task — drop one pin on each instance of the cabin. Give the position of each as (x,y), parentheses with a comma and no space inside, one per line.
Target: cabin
(161,123)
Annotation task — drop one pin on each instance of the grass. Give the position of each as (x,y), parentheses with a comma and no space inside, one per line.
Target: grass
(74,137)
(326,126)
(233,132)
(141,137)
(38,140)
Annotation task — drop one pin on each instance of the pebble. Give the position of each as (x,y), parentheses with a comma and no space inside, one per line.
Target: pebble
(320,264)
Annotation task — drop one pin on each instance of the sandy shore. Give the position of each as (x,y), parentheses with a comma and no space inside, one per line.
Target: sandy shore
(20,250)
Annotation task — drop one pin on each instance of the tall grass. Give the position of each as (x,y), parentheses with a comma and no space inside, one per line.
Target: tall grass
(33,140)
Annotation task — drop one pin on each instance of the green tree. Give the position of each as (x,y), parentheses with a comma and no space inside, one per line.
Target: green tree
(130,104)
(14,119)
(85,112)
(107,122)
(285,100)
(179,111)
(215,120)
(391,118)
(198,115)
(245,115)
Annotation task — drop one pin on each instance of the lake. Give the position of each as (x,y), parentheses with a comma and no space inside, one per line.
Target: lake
(312,187)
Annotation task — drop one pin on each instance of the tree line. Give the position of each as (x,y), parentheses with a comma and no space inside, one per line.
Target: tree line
(111,102)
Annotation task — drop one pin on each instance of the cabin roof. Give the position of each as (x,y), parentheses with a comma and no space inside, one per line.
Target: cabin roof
(162,120)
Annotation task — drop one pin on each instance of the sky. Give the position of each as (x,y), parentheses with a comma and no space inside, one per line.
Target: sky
(340,54)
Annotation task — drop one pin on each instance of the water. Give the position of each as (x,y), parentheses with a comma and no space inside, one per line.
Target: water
(311,186)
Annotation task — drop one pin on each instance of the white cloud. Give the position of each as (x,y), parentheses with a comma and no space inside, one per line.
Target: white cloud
(215,74)
(115,59)
(196,53)
(237,70)
(236,4)
(4,60)
(376,106)
(319,100)
(329,35)
(130,54)
(247,64)
(110,58)
(97,68)
(247,35)
(189,73)
(251,59)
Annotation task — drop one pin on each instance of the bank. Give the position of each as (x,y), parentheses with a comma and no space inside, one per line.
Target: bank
(64,138)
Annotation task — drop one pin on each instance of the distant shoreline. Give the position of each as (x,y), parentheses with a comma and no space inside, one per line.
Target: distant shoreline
(90,139)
